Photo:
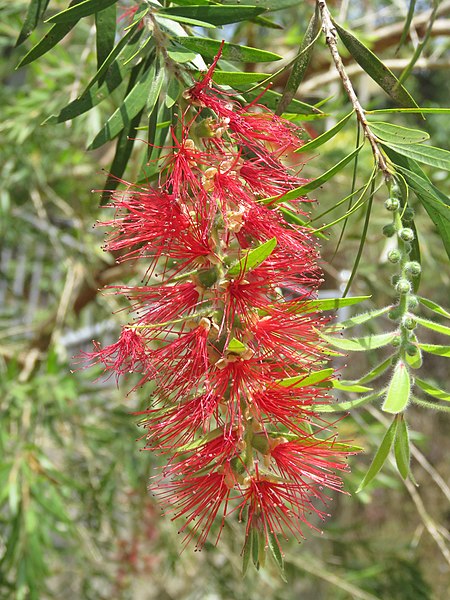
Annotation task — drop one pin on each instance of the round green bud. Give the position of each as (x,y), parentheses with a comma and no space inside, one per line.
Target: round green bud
(394,256)
(395,313)
(413,303)
(403,286)
(413,267)
(392,204)
(396,341)
(406,234)
(409,323)
(395,279)
(408,214)
(411,349)
(396,191)
(389,230)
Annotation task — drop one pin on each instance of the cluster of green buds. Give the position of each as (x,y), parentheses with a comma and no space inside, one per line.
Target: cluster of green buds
(408,270)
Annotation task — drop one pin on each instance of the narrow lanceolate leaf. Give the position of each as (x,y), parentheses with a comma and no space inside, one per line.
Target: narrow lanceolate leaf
(304,380)
(407,25)
(359,319)
(381,455)
(431,405)
(376,371)
(435,203)
(362,344)
(324,137)
(397,134)
(436,349)
(415,360)
(315,183)
(399,389)
(410,111)
(434,307)
(432,390)
(131,106)
(253,258)
(82,9)
(55,35)
(270,5)
(105,25)
(348,386)
(401,448)
(429,155)
(337,407)
(233,52)
(330,303)
(246,553)
(373,66)
(36,9)
(272,98)
(300,64)
(234,78)
(291,217)
(276,553)
(432,325)
(217,15)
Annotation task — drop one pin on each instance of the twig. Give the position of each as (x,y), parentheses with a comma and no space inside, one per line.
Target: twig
(331,40)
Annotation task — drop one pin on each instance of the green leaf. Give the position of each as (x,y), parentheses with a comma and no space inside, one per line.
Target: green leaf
(348,386)
(105,24)
(359,319)
(304,380)
(407,25)
(432,325)
(36,9)
(434,307)
(146,90)
(415,360)
(381,455)
(55,35)
(234,78)
(291,217)
(82,9)
(324,137)
(173,91)
(431,390)
(253,258)
(216,15)
(372,65)
(236,347)
(301,63)
(436,349)
(232,52)
(164,19)
(376,371)
(270,5)
(363,344)
(401,448)
(315,183)
(399,389)
(271,99)
(276,553)
(180,55)
(435,157)
(434,202)
(397,134)
(432,405)
(211,435)
(246,553)
(331,303)
(419,109)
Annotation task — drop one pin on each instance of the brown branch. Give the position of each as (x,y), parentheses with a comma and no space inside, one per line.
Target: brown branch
(331,39)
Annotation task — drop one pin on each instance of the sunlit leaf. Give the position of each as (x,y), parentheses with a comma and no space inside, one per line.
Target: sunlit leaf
(305,380)
(253,258)
(324,137)
(434,307)
(81,9)
(436,349)
(36,9)
(432,390)
(435,157)
(232,52)
(397,134)
(399,389)
(381,455)
(362,344)
(216,15)
(401,448)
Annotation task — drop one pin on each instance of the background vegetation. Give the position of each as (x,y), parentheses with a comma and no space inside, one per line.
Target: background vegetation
(76,520)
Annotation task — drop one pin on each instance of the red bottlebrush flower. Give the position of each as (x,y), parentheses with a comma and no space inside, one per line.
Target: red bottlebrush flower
(128,355)
(217,331)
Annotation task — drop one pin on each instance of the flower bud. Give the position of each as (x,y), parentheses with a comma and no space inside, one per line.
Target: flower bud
(413,303)
(395,279)
(395,313)
(389,230)
(409,323)
(408,214)
(413,267)
(396,341)
(396,191)
(394,256)
(403,286)
(406,234)
(392,204)
(411,349)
